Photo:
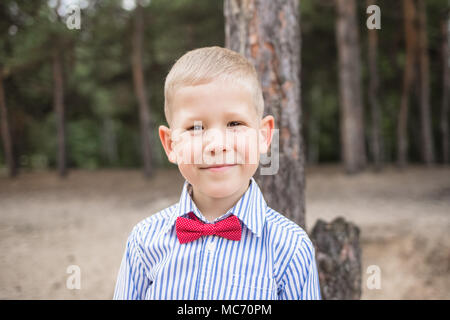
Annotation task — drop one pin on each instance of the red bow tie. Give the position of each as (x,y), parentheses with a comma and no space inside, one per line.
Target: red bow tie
(192,229)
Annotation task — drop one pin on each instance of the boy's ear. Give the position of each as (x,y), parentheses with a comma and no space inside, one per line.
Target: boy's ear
(266,133)
(165,135)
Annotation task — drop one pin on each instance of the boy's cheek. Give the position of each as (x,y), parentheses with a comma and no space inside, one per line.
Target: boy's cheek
(188,151)
(247,149)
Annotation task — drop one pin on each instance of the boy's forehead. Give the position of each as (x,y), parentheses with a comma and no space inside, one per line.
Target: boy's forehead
(237,110)
(193,101)
(225,90)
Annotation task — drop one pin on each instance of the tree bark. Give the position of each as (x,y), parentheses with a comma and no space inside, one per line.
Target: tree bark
(425,108)
(446,88)
(140,89)
(58,104)
(6,133)
(409,13)
(338,255)
(267,32)
(351,107)
(376,142)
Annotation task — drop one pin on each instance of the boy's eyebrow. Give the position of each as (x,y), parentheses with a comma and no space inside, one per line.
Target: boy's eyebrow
(191,118)
(237,114)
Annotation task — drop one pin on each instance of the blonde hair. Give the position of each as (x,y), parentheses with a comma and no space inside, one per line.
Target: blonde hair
(207,64)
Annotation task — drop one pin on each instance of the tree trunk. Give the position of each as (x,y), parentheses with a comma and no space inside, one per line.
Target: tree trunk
(140,89)
(425,109)
(445,87)
(409,13)
(6,133)
(352,125)
(375,144)
(58,104)
(267,32)
(338,255)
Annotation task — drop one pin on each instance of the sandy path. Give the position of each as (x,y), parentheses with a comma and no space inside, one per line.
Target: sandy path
(47,225)
(404,218)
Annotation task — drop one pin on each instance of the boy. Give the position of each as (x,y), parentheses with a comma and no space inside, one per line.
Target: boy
(221,240)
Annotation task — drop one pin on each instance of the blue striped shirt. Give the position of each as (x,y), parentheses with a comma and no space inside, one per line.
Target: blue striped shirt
(274,259)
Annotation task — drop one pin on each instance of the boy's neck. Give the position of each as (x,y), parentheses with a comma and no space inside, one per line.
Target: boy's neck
(213,208)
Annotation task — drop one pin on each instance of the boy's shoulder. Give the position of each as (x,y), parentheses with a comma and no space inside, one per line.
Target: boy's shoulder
(153,224)
(285,230)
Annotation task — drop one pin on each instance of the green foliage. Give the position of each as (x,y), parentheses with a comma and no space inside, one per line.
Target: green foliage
(42,141)
(83,143)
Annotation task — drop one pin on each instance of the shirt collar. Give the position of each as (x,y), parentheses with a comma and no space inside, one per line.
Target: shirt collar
(250,209)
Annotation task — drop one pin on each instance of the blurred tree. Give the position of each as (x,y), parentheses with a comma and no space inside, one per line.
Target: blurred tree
(353,151)
(58,104)
(416,51)
(427,144)
(140,87)
(375,138)
(6,134)
(409,16)
(61,40)
(445,27)
(267,32)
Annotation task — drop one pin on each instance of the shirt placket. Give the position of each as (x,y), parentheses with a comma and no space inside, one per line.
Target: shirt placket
(204,284)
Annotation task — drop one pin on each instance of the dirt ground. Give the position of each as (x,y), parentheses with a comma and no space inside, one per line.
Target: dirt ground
(48,224)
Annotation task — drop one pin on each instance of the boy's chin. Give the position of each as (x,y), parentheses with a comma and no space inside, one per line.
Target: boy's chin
(216,189)
(220,192)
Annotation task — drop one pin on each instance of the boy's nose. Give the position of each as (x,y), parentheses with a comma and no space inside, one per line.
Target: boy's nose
(215,141)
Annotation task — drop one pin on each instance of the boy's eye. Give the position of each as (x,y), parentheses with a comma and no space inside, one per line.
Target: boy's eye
(199,127)
(234,123)
(196,127)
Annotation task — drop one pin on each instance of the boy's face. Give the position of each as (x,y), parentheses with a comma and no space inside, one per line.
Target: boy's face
(216,137)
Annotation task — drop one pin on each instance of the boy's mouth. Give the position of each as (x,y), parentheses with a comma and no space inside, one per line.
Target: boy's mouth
(218,167)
